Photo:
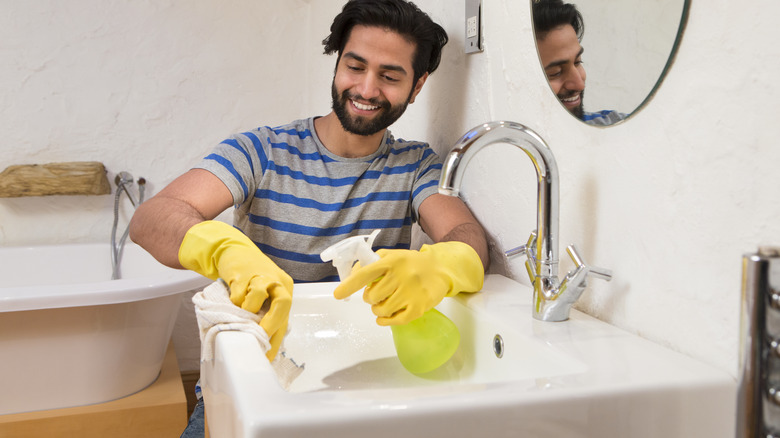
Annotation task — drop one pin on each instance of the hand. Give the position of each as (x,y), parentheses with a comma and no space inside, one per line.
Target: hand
(404,284)
(217,250)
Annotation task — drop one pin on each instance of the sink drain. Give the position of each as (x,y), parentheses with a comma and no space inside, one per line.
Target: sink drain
(498,346)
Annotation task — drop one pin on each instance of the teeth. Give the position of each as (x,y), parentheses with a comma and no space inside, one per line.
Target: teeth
(571,99)
(360,106)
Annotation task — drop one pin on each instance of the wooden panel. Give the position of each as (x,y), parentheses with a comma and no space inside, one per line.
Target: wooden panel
(74,178)
(160,410)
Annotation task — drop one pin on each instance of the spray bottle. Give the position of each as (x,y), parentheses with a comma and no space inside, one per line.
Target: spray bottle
(423,344)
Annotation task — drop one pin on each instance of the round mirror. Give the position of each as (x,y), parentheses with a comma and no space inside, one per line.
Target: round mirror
(623,49)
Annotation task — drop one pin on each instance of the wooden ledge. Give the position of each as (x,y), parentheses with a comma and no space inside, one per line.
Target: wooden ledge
(73,178)
(159,410)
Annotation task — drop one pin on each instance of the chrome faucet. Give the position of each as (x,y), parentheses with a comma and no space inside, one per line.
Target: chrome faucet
(552,298)
(123,180)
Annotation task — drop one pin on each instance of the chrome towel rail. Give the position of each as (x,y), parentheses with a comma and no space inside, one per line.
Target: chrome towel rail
(758,396)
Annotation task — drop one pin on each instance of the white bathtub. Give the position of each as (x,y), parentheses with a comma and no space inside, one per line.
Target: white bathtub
(70,336)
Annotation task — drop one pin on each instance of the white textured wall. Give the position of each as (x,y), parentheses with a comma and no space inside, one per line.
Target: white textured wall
(147,87)
(669,200)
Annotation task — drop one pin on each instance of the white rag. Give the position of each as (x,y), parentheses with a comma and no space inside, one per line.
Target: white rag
(216,313)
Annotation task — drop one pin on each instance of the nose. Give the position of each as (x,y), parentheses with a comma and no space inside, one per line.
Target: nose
(575,79)
(368,87)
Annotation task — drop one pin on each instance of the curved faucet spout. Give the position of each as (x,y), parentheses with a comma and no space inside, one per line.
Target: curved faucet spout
(552,298)
(546,243)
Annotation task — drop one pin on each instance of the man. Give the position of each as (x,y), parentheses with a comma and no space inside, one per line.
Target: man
(559,27)
(301,187)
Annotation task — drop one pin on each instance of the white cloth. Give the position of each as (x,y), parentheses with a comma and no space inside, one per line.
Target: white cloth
(216,313)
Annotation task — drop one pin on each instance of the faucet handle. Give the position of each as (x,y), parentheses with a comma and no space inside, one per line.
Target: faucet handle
(516,251)
(527,248)
(602,273)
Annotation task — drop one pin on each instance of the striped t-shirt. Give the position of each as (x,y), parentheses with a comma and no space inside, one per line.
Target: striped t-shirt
(294,198)
(603,118)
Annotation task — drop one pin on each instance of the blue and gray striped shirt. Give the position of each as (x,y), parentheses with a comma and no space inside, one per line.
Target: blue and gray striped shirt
(294,198)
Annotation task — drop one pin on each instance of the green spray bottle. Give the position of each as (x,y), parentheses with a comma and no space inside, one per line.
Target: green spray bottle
(423,344)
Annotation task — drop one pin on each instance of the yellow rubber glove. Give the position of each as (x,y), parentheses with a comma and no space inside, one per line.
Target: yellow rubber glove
(217,250)
(404,284)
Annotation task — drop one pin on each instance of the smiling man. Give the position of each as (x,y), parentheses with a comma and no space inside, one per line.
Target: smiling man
(363,107)
(301,187)
(559,28)
(371,89)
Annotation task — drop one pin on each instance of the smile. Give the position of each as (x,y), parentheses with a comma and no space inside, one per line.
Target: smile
(571,99)
(363,107)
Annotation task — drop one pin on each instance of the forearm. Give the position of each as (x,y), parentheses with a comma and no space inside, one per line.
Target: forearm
(159,226)
(447,218)
(472,234)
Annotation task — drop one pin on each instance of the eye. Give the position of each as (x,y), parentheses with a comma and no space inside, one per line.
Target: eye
(390,78)
(354,66)
(554,74)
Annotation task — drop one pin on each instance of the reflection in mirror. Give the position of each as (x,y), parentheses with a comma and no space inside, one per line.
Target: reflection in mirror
(628,47)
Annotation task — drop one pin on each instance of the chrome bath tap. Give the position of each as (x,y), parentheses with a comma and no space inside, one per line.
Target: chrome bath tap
(552,298)
(123,180)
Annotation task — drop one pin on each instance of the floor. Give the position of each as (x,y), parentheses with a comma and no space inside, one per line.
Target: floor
(189,379)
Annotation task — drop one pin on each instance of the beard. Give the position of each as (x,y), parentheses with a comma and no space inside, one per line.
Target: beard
(387,113)
(579,110)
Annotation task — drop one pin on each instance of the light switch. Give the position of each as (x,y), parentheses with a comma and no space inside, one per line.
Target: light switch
(473,26)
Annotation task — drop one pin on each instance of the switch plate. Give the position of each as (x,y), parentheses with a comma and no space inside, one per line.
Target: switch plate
(473,26)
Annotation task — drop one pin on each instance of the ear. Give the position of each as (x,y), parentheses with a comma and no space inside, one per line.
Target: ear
(418,86)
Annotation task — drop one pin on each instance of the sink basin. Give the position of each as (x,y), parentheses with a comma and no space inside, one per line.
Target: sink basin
(344,349)
(511,376)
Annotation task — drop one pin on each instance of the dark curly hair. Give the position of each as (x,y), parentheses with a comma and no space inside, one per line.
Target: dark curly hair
(549,14)
(400,16)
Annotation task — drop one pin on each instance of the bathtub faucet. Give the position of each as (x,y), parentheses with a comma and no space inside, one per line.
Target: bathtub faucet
(123,181)
(552,298)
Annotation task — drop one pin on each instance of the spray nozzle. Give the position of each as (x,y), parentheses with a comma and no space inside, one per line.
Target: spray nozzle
(344,254)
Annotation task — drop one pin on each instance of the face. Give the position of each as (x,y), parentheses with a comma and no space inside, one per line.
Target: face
(561,56)
(374,80)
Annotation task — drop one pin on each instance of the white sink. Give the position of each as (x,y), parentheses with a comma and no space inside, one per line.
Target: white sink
(578,378)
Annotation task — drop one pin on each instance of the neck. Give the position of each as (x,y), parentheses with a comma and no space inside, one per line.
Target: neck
(343,143)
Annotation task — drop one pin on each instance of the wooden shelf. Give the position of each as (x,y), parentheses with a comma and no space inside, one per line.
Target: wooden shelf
(73,178)
(160,410)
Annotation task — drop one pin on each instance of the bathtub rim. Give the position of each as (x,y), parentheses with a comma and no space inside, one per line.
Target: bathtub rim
(166,281)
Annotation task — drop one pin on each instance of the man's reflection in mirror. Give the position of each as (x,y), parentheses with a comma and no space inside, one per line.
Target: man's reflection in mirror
(559,28)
